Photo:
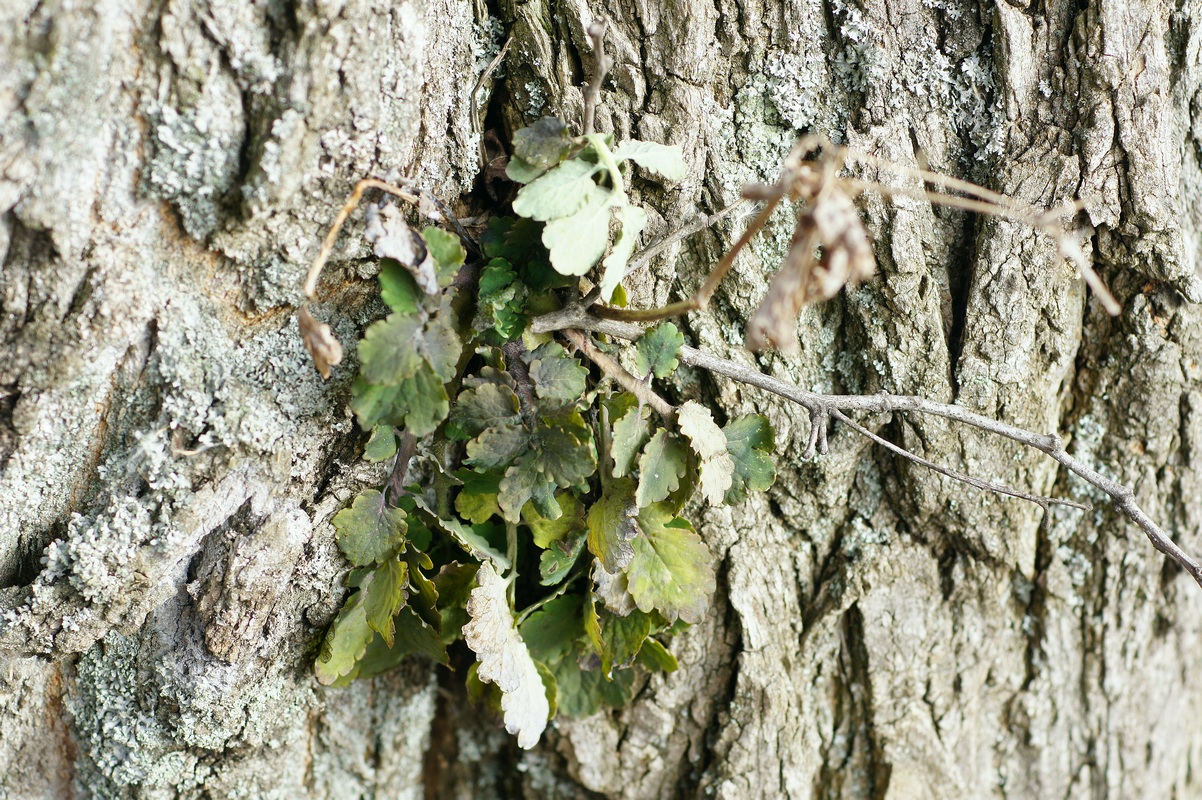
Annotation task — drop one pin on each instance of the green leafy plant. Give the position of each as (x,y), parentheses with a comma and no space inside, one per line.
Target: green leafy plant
(548,532)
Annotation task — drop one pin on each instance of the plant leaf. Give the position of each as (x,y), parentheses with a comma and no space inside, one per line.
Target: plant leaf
(418,403)
(447,250)
(614,590)
(632,219)
(709,442)
(525,482)
(661,467)
(749,441)
(577,241)
(380,445)
(630,434)
(498,447)
(471,542)
(611,524)
(654,656)
(345,642)
(477,500)
(561,192)
(370,530)
(543,144)
(387,354)
(621,638)
(398,288)
(383,597)
(665,159)
(557,376)
(558,559)
(504,659)
(548,531)
(656,350)
(670,572)
(485,406)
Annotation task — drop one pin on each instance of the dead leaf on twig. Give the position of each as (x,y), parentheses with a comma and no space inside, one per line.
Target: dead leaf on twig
(320,342)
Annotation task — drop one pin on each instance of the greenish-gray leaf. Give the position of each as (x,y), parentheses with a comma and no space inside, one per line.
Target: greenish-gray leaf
(546,531)
(656,350)
(447,251)
(557,376)
(543,144)
(576,242)
(485,406)
(370,531)
(749,441)
(558,559)
(387,354)
(381,444)
(621,639)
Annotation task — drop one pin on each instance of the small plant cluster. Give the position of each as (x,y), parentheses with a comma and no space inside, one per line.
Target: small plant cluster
(548,533)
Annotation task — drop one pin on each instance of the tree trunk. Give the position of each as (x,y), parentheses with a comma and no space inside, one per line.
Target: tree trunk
(170,459)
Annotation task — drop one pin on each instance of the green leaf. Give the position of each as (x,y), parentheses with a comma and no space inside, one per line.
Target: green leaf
(381,444)
(543,144)
(661,467)
(501,301)
(547,531)
(387,354)
(581,693)
(557,376)
(477,500)
(423,595)
(749,441)
(667,160)
(471,542)
(370,530)
(415,635)
(632,219)
(418,403)
(577,241)
(454,584)
(565,447)
(670,572)
(485,406)
(498,447)
(560,556)
(519,171)
(345,642)
(611,524)
(630,433)
(398,288)
(550,631)
(526,482)
(621,639)
(446,249)
(561,192)
(439,345)
(656,350)
(655,657)
(383,597)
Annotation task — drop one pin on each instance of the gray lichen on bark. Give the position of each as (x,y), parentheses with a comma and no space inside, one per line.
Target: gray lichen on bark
(170,460)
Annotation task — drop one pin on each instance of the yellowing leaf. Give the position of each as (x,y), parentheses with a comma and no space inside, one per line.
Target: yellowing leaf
(717,467)
(611,524)
(383,596)
(504,659)
(345,642)
(670,572)
(661,467)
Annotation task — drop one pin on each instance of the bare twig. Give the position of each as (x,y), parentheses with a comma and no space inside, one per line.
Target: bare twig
(821,405)
(601,65)
(643,258)
(610,366)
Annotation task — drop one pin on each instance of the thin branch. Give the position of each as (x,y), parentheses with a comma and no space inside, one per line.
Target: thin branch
(610,366)
(601,65)
(643,258)
(1050,444)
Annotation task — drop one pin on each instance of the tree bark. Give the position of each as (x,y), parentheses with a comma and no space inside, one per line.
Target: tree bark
(170,460)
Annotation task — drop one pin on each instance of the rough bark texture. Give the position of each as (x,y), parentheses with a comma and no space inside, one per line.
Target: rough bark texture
(170,460)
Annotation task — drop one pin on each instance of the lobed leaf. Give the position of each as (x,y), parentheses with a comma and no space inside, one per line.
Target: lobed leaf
(488,405)
(576,242)
(632,220)
(612,525)
(369,531)
(557,377)
(380,445)
(548,531)
(670,572)
(667,160)
(656,350)
(749,441)
(504,658)
(661,466)
(383,596)
(446,249)
(345,642)
(560,193)
(542,144)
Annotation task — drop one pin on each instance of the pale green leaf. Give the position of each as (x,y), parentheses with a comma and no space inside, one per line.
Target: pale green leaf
(519,171)
(485,406)
(621,638)
(387,354)
(655,657)
(498,447)
(370,530)
(557,376)
(547,531)
(381,444)
(477,499)
(670,572)
(576,242)
(446,249)
(630,433)
(561,192)
(525,481)
(345,642)
(667,160)
(661,466)
(632,219)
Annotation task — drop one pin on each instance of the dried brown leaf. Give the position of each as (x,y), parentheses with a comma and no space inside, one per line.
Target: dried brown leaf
(320,342)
